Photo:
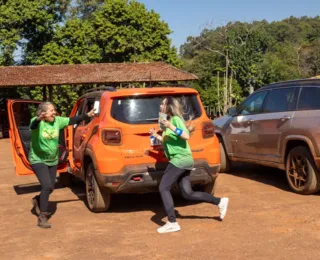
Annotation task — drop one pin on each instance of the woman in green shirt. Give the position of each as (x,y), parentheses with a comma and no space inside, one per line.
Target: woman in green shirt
(43,155)
(175,141)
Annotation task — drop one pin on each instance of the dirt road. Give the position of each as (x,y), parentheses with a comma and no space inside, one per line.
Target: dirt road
(264,221)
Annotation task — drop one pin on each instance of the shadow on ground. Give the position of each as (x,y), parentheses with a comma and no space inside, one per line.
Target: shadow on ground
(124,203)
(28,188)
(266,175)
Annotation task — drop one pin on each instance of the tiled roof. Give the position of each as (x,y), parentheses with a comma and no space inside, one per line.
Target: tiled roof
(99,73)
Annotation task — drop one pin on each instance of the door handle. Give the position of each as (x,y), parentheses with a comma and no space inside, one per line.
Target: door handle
(285,118)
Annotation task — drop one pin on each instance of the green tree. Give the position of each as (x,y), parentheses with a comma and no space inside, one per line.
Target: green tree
(10,32)
(253,54)
(116,31)
(113,31)
(313,59)
(25,27)
(72,44)
(40,19)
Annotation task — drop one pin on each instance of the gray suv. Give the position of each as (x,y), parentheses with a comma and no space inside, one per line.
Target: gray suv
(278,126)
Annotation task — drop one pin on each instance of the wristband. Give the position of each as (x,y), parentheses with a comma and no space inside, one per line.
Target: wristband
(178,131)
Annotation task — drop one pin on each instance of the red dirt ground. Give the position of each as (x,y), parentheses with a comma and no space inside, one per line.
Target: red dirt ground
(265,221)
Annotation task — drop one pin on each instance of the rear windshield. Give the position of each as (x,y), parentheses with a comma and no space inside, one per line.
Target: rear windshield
(145,110)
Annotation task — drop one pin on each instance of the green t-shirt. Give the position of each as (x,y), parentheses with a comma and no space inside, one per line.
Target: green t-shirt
(45,140)
(176,149)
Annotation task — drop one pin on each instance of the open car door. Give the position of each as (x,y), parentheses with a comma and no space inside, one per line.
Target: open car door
(20,113)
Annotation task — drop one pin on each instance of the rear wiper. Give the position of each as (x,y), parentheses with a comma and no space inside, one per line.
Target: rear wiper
(151,119)
(146,120)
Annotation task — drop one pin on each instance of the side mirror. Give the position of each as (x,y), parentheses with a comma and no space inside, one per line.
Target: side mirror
(232,111)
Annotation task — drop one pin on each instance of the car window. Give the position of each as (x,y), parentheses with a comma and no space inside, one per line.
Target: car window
(253,105)
(145,110)
(80,108)
(280,100)
(309,98)
(79,112)
(88,107)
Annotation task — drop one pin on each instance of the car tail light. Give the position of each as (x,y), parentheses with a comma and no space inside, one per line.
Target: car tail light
(207,130)
(111,136)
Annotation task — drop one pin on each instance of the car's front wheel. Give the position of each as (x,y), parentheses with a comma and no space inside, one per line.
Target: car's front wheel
(98,199)
(225,163)
(302,173)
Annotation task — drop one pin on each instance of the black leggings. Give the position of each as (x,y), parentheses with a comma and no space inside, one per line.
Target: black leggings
(173,174)
(47,178)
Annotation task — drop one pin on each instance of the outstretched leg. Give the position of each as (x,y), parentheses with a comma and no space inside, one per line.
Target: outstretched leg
(189,194)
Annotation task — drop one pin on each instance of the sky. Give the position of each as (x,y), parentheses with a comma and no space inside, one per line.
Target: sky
(189,17)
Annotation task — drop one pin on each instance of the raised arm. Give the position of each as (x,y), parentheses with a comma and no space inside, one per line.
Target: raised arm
(34,123)
(78,119)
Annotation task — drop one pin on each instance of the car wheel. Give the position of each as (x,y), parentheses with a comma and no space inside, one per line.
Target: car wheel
(302,174)
(225,163)
(66,179)
(98,200)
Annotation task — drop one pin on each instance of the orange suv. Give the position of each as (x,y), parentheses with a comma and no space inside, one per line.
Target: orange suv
(112,152)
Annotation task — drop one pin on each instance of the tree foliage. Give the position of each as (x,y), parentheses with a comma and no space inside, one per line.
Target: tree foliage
(229,59)
(115,31)
(88,31)
(258,53)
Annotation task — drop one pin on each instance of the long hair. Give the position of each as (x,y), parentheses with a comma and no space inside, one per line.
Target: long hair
(175,107)
(43,107)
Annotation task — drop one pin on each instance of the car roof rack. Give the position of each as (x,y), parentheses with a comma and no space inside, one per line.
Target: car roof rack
(104,88)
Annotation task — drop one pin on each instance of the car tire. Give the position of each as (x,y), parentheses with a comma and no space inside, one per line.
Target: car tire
(225,163)
(301,171)
(66,179)
(98,200)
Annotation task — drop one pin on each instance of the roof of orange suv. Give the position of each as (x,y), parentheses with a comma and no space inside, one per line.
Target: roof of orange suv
(123,92)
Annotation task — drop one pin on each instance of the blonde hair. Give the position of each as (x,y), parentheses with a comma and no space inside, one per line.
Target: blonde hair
(43,107)
(175,107)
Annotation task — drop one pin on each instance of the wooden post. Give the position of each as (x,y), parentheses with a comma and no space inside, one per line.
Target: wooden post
(44,93)
(50,93)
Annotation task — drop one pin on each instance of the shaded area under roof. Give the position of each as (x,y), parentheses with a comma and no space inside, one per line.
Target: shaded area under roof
(100,73)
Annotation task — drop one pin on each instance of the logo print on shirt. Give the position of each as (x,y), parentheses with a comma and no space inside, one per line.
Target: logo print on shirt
(50,134)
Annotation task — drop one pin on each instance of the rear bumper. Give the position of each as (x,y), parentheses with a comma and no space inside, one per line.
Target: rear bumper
(146,178)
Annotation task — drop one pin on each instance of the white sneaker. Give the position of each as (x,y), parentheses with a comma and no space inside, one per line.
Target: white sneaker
(223,206)
(169,227)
